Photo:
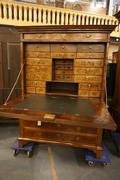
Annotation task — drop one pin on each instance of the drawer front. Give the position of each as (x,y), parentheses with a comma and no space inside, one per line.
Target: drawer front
(59,127)
(63,77)
(63,37)
(64,66)
(38,69)
(63,55)
(39,61)
(90,79)
(56,136)
(85,48)
(40,47)
(63,48)
(88,71)
(83,93)
(88,63)
(38,76)
(35,83)
(63,72)
(64,62)
(30,89)
(90,55)
(87,93)
(94,94)
(40,90)
(89,86)
(37,55)
(35,90)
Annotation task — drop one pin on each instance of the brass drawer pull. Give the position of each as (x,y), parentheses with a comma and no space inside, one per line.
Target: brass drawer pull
(58,125)
(63,35)
(90,47)
(77,138)
(39,134)
(88,35)
(58,135)
(63,47)
(39,36)
(78,128)
(89,85)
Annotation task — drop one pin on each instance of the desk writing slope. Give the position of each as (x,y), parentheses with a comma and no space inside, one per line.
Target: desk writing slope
(63,86)
(63,105)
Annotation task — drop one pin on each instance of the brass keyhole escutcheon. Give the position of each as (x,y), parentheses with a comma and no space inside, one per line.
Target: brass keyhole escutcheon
(78,128)
(40,134)
(77,138)
(59,125)
(58,135)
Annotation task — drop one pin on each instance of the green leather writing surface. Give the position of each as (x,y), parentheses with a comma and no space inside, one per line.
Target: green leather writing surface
(53,104)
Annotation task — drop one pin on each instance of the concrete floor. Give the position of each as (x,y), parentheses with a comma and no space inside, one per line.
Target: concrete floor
(52,162)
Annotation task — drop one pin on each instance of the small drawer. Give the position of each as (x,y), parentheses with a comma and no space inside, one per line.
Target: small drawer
(37,55)
(45,77)
(59,77)
(40,47)
(62,72)
(33,76)
(64,77)
(40,90)
(90,55)
(94,94)
(83,93)
(38,76)
(38,69)
(88,63)
(63,48)
(32,69)
(95,48)
(30,89)
(63,55)
(63,62)
(89,86)
(38,61)
(90,79)
(88,71)
(35,83)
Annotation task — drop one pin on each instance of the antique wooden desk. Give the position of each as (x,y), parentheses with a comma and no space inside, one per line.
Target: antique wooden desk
(63,86)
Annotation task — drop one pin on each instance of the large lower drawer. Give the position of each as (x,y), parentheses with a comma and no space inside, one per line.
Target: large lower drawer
(59,127)
(58,136)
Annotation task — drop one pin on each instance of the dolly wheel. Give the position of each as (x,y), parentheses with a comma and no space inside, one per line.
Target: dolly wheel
(15,152)
(29,153)
(105,164)
(91,163)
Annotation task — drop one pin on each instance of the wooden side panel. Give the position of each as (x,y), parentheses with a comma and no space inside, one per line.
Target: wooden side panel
(1,70)
(9,63)
(13,50)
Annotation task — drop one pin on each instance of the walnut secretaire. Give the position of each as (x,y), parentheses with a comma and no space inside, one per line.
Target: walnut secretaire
(63,86)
